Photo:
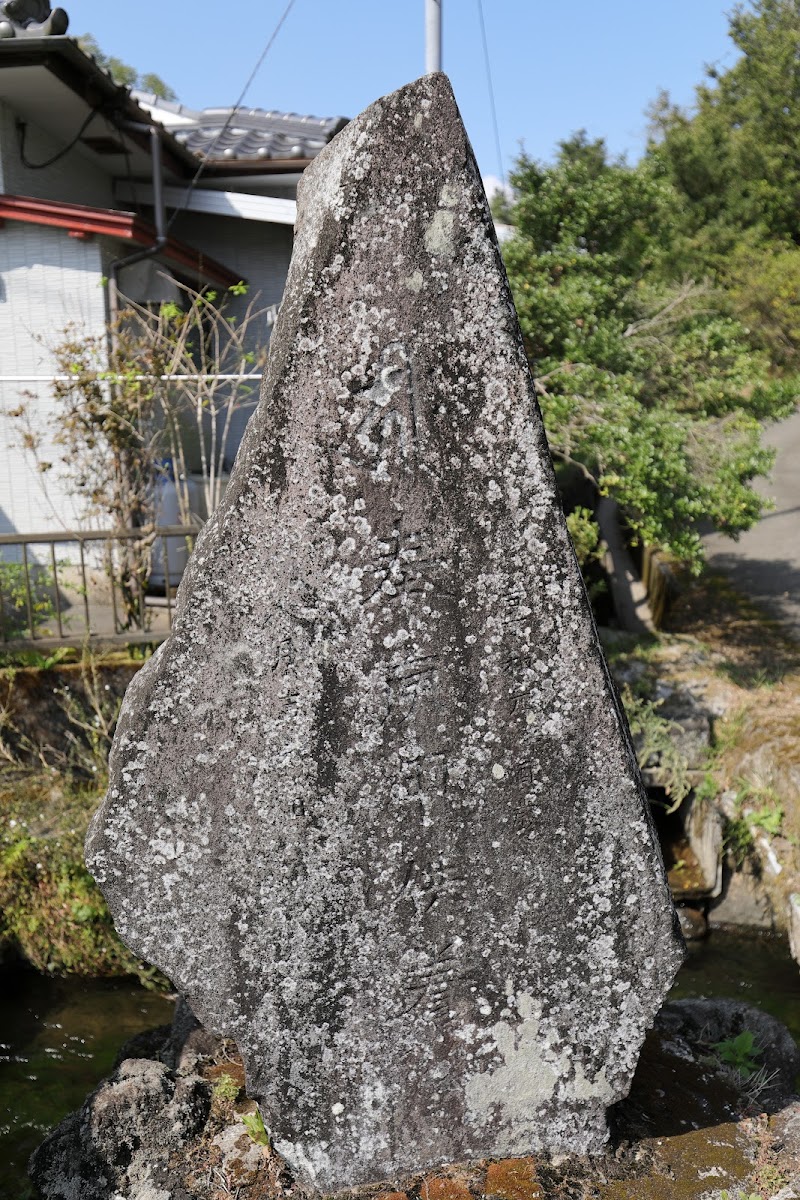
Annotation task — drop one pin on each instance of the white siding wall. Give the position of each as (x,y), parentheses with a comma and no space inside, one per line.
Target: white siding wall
(260,253)
(47,281)
(73,179)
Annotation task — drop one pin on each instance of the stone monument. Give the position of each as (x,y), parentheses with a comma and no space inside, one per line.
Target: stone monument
(373,807)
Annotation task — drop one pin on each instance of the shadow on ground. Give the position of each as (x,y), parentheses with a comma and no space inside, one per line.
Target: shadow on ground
(751,643)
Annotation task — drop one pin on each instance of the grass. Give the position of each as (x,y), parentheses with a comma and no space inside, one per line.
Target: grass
(738,840)
(51,910)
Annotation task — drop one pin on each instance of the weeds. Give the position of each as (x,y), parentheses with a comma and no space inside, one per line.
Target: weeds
(620,646)
(226,1089)
(758,1083)
(768,819)
(707,790)
(254,1124)
(7,726)
(759,806)
(27,596)
(224,1094)
(89,707)
(654,739)
(50,907)
(738,1057)
(751,677)
(728,732)
(92,716)
(739,831)
(739,1052)
(12,660)
(737,840)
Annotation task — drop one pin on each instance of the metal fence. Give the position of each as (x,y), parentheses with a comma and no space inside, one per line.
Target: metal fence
(48,601)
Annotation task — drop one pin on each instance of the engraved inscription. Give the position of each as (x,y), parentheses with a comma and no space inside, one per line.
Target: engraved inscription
(384,422)
(400,567)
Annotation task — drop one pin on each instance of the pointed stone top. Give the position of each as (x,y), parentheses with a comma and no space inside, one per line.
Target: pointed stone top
(373,807)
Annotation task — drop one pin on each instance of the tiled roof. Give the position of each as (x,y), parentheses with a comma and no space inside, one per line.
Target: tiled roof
(225,134)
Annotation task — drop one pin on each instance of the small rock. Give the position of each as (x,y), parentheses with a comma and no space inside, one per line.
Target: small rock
(124,1136)
(743,901)
(794,926)
(694,926)
(239,1152)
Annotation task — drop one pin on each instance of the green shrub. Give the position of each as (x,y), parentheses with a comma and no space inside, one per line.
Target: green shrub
(14,618)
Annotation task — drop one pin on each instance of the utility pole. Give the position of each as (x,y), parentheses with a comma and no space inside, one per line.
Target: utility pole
(433,36)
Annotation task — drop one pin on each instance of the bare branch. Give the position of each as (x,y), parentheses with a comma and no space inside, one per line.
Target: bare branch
(689,290)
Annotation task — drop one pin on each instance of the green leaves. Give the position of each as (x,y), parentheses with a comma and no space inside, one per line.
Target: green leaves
(123,73)
(650,382)
(254,1124)
(734,165)
(739,1052)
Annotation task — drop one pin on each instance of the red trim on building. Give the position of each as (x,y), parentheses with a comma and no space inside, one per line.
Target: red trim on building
(83,222)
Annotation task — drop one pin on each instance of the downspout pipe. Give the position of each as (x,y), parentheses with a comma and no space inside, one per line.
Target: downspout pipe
(159,212)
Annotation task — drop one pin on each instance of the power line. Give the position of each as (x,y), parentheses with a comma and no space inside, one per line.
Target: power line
(490,86)
(193,182)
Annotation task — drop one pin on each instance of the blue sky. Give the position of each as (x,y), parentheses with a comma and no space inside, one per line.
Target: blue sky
(558,65)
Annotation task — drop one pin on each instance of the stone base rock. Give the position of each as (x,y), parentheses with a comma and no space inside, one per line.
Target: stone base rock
(744,901)
(125,1136)
(162,1129)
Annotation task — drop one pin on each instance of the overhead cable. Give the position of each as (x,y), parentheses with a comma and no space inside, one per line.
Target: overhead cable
(490,86)
(21,131)
(194,181)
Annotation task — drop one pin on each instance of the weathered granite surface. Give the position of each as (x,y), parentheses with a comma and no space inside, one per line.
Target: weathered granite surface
(373,807)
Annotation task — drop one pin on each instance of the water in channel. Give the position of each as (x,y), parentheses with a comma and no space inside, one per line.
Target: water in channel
(60,1036)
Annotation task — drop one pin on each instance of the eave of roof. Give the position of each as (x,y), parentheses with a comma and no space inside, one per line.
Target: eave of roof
(82,221)
(255,166)
(95,87)
(79,72)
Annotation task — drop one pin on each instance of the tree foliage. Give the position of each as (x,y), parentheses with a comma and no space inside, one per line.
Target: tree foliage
(736,159)
(734,163)
(122,73)
(661,334)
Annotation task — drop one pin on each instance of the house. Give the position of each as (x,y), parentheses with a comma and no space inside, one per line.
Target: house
(83,163)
